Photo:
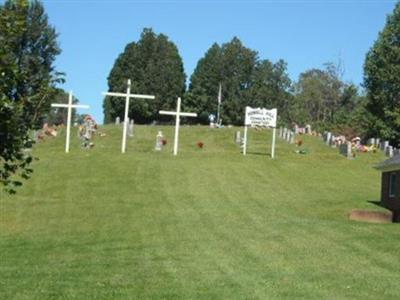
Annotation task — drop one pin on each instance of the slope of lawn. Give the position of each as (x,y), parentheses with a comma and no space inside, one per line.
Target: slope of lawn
(207,224)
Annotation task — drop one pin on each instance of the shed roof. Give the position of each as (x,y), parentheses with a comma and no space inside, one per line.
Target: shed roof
(390,164)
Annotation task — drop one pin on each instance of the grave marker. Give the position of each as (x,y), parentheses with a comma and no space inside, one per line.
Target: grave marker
(69,106)
(178,114)
(127,96)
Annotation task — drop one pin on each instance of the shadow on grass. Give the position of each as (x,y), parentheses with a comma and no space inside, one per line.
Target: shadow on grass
(258,153)
(375,202)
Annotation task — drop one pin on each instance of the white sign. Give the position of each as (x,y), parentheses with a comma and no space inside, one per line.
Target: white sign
(260,117)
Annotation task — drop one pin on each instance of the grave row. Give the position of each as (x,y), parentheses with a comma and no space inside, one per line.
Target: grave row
(287,135)
(346,147)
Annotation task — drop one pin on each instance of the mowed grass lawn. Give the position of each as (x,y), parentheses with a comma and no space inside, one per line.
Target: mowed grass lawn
(207,224)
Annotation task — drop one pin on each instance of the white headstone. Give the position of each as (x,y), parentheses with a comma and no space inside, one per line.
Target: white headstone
(292,137)
(238,138)
(159,141)
(389,151)
(130,128)
(117,120)
(328,138)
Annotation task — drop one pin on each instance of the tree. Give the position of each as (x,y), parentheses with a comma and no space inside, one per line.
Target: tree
(155,67)
(318,96)
(28,48)
(382,80)
(271,87)
(232,65)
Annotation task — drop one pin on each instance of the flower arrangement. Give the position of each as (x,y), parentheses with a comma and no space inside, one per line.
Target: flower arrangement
(164,142)
(200,145)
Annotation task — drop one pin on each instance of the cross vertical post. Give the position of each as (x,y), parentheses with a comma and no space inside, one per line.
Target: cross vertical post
(127,96)
(178,114)
(273,143)
(128,91)
(177,124)
(69,106)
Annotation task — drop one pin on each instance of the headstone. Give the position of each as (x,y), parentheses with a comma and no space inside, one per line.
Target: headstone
(328,138)
(211,118)
(284,133)
(345,149)
(238,139)
(292,136)
(385,145)
(159,141)
(308,129)
(280,132)
(371,142)
(377,142)
(389,151)
(288,134)
(296,129)
(396,151)
(117,120)
(130,128)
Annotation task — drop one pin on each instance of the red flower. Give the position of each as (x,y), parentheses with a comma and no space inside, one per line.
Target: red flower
(164,142)
(200,145)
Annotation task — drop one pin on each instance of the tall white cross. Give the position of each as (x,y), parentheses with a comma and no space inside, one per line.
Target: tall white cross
(70,106)
(127,96)
(178,114)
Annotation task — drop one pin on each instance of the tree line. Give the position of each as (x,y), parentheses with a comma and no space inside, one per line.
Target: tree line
(29,82)
(319,97)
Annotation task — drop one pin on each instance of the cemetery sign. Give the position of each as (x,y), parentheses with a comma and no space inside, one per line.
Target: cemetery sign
(260,117)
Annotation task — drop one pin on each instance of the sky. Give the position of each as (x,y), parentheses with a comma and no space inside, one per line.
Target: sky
(305,33)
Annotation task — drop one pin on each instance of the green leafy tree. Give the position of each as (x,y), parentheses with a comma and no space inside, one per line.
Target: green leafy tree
(232,65)
(319,96)
(28,48)
(271,88)
(382,80)
(155,67)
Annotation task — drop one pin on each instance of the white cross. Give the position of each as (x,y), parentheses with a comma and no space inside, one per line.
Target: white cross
(178,115)
(69,106)
(127,96)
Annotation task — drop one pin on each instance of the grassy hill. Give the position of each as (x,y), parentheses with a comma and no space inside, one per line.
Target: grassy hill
(208,224)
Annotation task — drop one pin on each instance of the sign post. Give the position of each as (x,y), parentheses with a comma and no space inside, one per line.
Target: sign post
(260,117)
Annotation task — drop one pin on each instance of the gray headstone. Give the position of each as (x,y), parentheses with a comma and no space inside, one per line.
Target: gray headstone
(130,128)
(308,129)
(284,133)
(389,151)
(159,141)
(280,132)
(292,136)
(328,138)
(345,150)
(371,142)
(117,120)
(377,142)
(238,139)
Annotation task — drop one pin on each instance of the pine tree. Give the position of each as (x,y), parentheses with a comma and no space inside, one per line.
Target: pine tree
(155,67)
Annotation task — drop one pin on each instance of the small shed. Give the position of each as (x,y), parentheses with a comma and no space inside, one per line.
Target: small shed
(390,188)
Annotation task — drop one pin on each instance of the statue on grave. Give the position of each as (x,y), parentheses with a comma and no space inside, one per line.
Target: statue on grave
(86,131)
(211,118)
(159,141)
